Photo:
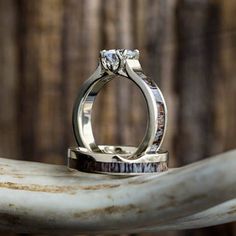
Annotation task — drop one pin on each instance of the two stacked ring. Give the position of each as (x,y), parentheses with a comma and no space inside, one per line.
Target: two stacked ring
(117,160)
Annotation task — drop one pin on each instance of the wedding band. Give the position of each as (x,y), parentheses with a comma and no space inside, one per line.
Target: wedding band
(126,64)
(110,163)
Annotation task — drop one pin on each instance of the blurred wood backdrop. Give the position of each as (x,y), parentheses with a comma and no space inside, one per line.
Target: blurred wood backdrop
(49,47)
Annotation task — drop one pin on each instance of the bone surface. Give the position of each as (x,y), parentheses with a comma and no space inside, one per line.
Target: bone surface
(46,198)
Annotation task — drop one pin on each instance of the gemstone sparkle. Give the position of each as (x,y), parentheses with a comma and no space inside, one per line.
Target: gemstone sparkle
(112,59)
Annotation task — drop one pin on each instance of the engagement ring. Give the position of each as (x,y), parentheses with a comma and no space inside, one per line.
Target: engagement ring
(124,63)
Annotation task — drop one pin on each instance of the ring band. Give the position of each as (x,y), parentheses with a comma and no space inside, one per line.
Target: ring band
(86,161)
(126,64)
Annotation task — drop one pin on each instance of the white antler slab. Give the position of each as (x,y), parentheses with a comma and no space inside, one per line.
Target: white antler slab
(44,198)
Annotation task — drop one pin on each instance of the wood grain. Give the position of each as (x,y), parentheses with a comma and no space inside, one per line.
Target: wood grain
(9,146)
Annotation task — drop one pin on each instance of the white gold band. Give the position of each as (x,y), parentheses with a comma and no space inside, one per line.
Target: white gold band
(111,163)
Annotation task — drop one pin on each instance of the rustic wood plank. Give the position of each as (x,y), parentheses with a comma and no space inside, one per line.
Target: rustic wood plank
(41,82)
(9,145)
(194,81)
(106,113)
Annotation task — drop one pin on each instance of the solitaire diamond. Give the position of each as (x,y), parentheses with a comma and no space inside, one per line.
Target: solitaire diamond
(112,59)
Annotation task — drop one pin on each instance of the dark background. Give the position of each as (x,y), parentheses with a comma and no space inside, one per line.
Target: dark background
(49,47)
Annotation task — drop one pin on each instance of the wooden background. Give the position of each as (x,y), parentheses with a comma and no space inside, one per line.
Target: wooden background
(49,47)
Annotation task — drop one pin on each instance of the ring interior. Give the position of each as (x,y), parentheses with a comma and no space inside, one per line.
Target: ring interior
(85,111)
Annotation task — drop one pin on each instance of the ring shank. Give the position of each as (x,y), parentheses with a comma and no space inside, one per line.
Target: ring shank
(154,100)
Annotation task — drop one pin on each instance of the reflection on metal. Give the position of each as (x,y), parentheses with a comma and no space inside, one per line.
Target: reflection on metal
(124,63)
(44,198)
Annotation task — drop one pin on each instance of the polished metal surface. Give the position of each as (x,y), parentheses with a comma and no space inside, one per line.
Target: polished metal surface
(117,154)
(124,63)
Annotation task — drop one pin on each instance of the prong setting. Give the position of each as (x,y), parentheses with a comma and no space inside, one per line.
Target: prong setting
(114,60)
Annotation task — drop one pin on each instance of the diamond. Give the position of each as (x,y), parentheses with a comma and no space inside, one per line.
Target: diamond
(113,59)
(131,54)
(110,60)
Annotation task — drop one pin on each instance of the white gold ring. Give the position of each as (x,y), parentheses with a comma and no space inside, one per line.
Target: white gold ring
(124,63)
